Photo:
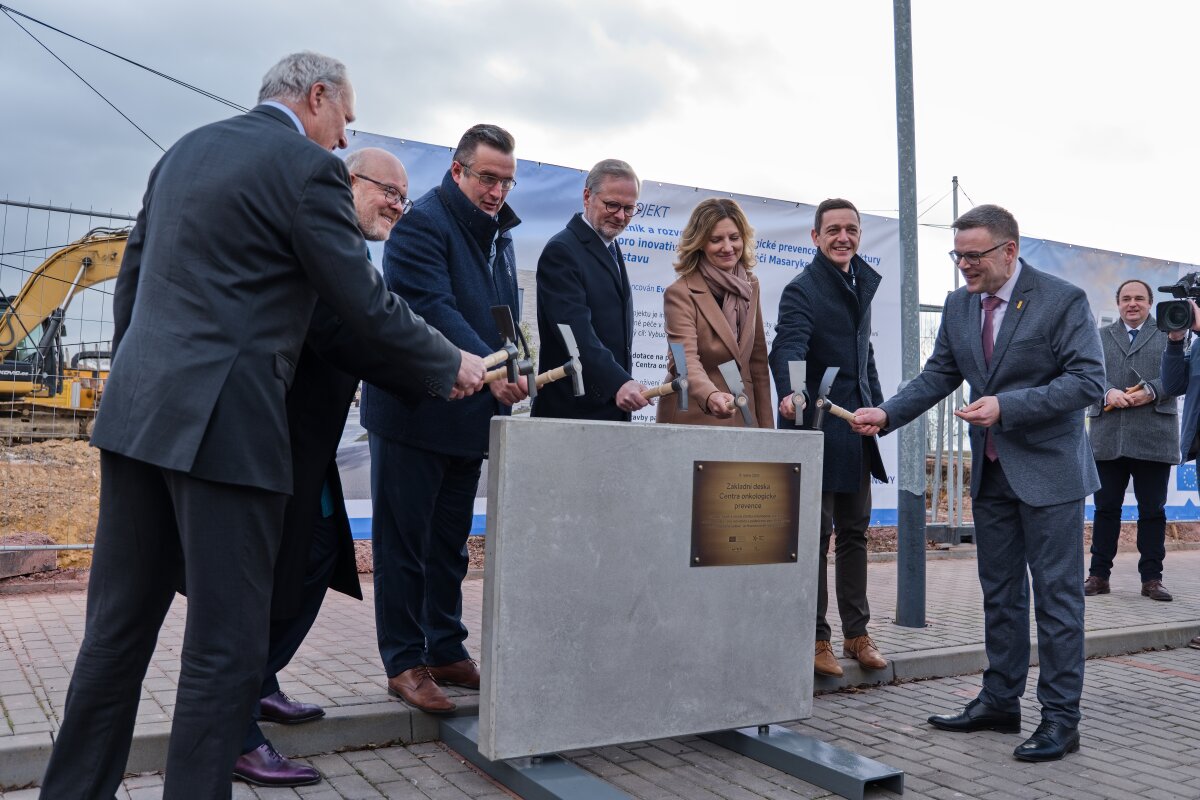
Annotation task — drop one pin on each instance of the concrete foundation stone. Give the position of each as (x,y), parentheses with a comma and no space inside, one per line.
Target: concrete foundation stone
(596,628)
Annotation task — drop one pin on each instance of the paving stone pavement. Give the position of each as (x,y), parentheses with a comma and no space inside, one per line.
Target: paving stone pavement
(338,666)
(1140,737)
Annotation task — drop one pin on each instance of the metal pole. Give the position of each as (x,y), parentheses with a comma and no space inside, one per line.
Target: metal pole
(910,557)
(959,514)
(60,209)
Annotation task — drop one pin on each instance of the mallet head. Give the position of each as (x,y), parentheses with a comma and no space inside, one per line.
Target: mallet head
(733,379)
(798,374)
(503,317)
(574,366)
(681,381)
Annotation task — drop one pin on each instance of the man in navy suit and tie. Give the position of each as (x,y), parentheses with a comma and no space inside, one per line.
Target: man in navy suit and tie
(582,282)
(1027,345)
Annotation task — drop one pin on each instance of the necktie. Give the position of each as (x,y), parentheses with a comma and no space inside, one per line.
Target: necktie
(990,304)
(612,251)
(1133,335)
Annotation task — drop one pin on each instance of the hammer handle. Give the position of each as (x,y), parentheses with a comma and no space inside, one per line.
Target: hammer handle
(495,359)
(659,391)
(1134,388)
(737,402)
(556,374)
(835,409)
(495,375)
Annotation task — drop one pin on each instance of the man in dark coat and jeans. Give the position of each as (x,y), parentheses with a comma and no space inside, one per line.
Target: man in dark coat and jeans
(825,321)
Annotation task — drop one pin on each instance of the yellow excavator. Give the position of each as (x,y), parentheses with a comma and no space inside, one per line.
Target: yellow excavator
(41,395)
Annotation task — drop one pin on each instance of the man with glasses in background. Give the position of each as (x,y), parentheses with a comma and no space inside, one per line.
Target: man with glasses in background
(452,260)
(1027,345)
(582,282)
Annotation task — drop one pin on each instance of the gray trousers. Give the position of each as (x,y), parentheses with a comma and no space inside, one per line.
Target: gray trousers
(1015,542)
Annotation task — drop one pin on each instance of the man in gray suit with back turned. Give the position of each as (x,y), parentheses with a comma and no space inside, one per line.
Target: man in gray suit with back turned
(244,225)
(1026,344)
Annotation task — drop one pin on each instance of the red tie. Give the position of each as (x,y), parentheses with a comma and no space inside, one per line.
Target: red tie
(990,304)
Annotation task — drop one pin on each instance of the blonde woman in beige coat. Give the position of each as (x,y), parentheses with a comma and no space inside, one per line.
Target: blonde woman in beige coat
(713,310)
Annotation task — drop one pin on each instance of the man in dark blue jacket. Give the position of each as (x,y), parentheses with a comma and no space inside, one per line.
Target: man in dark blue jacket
(452,260)
(825,321)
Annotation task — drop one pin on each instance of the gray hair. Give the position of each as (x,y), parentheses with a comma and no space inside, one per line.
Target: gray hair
(291,79)
(355,160)
(492,135)
(610,168)
(998,222)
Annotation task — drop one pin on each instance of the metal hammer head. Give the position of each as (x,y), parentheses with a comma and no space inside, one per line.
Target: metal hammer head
(823,394)
(507,328)
(681,381)
(574,366)
(798,374)
(733,379)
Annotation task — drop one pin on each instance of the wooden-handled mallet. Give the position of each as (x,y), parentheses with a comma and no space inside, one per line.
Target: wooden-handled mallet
(798,374)
(1141,384)
(826,405)
(678,386)
(573,367)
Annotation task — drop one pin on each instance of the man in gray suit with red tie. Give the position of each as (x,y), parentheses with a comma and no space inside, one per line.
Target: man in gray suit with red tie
(1027,345)
(244,225)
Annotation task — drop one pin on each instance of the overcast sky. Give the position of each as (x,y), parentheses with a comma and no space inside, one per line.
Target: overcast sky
(1077,116)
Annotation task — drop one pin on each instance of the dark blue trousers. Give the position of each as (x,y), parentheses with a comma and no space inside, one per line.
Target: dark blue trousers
(1015,541)
(422,506)
(288,634)
(1150,480)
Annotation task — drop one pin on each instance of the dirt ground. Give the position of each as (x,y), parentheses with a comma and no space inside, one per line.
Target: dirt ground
(52,488)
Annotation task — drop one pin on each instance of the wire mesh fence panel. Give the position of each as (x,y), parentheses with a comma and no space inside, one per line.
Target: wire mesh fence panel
(57,271)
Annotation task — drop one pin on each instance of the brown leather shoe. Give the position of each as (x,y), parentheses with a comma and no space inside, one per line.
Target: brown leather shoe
(824,662)
(863,650)
(1095,585)
(463,673)
(1156,591)
(418,688)
(1195,643)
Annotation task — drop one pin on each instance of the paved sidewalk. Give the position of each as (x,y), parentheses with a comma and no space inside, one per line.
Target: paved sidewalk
(338,666)
(1140,736)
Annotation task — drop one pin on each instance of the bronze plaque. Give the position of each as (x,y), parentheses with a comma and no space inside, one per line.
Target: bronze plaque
(744,512)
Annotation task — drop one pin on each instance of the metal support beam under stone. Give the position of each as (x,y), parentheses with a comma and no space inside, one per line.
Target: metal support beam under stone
(544,778)
(821,764)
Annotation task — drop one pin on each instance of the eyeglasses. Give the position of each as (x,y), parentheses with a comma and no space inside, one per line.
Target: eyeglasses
(973,258)
(506,184)
(612,208)
(390,193)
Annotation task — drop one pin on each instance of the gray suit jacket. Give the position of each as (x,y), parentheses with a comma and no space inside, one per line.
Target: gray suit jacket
(1149,432)
(244,224)
(1047,366)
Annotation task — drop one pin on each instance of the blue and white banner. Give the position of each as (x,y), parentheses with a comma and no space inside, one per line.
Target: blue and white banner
(546,196)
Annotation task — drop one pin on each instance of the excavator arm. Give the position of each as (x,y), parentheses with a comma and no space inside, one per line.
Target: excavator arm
(93,259)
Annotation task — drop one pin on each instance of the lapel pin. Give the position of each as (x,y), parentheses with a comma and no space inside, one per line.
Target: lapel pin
(1019,304)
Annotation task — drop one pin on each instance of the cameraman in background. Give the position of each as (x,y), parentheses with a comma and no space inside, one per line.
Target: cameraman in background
(1180,367)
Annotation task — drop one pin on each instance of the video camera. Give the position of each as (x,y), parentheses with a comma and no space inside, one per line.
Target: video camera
(1176,315)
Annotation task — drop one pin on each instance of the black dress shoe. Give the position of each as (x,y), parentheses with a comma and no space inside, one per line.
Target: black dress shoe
(978,717)
(1050,742)
(263,766)
(279,707)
